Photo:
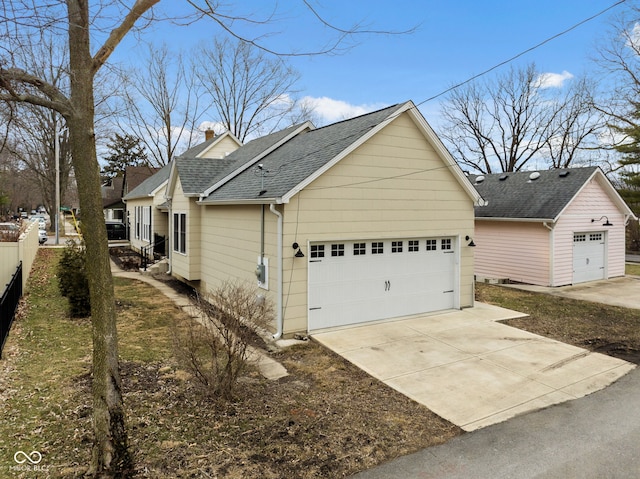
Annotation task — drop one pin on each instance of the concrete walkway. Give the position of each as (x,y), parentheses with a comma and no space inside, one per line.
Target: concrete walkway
(471,370)
(267,366)
(623,291)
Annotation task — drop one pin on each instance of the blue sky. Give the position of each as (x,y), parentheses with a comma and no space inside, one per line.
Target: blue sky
(453,41)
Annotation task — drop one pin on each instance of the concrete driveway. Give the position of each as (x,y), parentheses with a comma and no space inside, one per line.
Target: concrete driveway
(623,291)
(471,370)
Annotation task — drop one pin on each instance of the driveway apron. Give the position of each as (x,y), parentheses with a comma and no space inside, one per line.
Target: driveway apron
(470,369)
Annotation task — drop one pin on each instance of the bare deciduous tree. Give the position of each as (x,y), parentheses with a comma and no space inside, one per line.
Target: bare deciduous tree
(162,104)
(504,124)
(251,91)
(23,24)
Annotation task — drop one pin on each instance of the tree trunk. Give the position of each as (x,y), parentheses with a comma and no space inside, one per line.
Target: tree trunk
(110,456)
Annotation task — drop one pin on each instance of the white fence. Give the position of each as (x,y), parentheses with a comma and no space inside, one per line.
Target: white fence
(25,250)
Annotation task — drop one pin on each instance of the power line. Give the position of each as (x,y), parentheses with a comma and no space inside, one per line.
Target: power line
(524,52)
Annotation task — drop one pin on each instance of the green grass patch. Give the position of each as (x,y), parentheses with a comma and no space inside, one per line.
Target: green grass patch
(632,269)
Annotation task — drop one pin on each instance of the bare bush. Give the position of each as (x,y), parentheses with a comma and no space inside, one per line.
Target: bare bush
(216,349)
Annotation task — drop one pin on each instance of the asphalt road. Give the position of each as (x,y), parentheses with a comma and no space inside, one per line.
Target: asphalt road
(595,437)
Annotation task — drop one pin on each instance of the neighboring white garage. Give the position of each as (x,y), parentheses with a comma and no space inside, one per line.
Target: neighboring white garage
(589,253)
(353,282)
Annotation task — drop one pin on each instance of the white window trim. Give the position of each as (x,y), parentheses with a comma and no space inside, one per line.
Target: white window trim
(177,232)
(145,224)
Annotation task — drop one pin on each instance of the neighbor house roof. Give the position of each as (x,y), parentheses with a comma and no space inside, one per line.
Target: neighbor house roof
(150,185)
(197,174)
(540,195)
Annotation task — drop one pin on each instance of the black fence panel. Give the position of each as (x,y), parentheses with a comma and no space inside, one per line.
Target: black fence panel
(9,304)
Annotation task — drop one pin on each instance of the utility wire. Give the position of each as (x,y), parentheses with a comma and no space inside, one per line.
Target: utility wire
(468,80)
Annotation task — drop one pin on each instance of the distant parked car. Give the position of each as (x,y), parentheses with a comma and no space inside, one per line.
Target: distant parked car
(116,230)
(42,223)
(42,236)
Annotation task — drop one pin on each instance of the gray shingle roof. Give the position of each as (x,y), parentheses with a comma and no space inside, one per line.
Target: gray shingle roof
(198,174)
(516,195)
(149,185)
(298,159)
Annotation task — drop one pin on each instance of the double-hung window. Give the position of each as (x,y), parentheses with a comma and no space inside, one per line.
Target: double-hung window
(180,232)
(146,223)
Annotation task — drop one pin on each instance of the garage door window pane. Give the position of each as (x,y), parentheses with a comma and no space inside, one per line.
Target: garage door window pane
(431,245)
(446,244)
(337,250)
(377,248)
(359,249)
(396,246)
(414,245)
(595,237)
(579,238)
(317,251)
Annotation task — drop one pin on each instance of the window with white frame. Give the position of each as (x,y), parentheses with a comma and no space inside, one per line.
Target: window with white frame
(180,232)
(146,223)
(137,221)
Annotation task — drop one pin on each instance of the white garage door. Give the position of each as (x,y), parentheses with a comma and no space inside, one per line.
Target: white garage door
(589,253)
(353,282)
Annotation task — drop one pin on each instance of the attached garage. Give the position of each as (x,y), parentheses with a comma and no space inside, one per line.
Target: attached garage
(352,222)
(353,282)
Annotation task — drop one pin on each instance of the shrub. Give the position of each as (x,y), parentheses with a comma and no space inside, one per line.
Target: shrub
(73,281)
(216,349)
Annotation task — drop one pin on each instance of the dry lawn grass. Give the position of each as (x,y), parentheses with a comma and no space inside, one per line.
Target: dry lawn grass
(598,327)
(326,419)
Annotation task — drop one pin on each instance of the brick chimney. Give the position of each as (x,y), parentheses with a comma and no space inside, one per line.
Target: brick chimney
(208,134)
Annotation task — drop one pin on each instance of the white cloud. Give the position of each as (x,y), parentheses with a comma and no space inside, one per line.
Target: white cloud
(552,80)
(330,110)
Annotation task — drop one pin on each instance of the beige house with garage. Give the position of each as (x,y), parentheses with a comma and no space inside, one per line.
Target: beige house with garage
(362,220)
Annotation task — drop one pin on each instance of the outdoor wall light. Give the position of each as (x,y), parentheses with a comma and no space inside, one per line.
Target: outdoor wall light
(471,243)
(299,253)
(606,223)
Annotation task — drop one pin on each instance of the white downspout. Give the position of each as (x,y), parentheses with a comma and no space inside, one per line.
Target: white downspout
(551,251)
(279,316)
(169,241)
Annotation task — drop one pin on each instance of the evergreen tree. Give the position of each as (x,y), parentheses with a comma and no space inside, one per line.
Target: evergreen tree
(630,174)
(126,150)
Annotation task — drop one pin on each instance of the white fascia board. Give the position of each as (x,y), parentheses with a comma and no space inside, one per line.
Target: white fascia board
(158,188)
(516,220)
(410,108)
(604,182)
(260,201)
(171,181)
(310,179)
(305,126)
(445,155)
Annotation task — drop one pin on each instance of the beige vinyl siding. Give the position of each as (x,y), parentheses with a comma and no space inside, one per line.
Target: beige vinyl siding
(159,218)
(187,265)
(136,243)
(591,203)
(517,251)
(221,148)
(393,186)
